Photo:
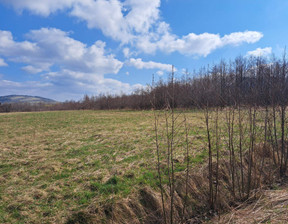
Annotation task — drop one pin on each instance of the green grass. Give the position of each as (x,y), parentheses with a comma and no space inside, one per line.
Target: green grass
(54,163)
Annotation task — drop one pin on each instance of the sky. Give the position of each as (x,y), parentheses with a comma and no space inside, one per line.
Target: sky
(64,49)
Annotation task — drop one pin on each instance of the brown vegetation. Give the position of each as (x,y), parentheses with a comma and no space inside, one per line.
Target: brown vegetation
(270,207)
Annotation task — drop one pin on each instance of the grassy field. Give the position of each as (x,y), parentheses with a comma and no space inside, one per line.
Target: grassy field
(53,164)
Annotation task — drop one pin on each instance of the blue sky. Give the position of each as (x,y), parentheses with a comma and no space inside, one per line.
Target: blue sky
(63,49)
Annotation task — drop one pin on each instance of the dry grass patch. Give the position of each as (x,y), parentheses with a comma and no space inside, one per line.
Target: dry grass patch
(55,164)
(271,207)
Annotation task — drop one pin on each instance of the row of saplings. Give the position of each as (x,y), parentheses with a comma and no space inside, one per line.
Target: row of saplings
(246,152)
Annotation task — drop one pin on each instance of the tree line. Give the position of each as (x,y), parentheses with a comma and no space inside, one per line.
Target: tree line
(254,81)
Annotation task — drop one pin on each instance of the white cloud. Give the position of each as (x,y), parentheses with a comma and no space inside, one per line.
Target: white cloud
(77,68)
(142,15)
(195,44)
(160,73)
(31,69)
(121,20)
(260,52)
(3,63)
(92,83)
(128,53)
(104,15)
(139,64)
(241,37)
(137,23)
(43,7)
(9,47)
(52,46)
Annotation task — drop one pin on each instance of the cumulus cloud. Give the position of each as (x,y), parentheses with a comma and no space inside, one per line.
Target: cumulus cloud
(9,47)
(2,62)
(260,52)
(142,15)
(121,20)
(105,15)
(137,23)
(48,47)
(139,64)
(196,44)
(66,66)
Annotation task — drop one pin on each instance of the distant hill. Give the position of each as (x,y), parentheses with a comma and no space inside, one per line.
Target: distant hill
(25,99)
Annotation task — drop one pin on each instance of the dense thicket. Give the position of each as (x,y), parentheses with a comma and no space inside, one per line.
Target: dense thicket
(253,81)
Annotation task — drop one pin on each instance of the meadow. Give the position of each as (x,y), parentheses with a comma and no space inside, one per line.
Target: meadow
(54,164)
